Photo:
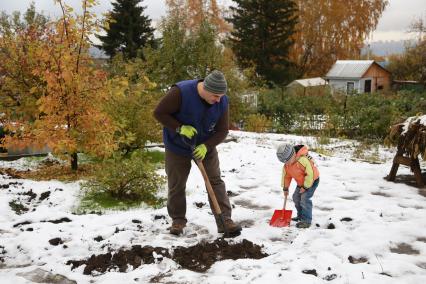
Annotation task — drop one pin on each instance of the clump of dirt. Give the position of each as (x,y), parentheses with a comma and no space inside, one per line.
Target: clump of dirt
(21,224)
(231,194)
(56,241)
(310,271)
(197,258)
(330,277)
(44,195)
(158,217)
(355,260)
(346,219)
(2,254)
(31,194)
(99,239)
(58,221)
(202,256)
(331,226)
(199,204)
(136,256)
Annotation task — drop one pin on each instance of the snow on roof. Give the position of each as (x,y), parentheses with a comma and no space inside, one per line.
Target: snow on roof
(349,68)
(310,82)
(411,120)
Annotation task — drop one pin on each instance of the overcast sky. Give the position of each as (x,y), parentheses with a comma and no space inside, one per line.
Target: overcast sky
(392,26)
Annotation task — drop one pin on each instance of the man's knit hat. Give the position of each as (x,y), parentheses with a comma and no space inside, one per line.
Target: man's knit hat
(285,152)
(215,83)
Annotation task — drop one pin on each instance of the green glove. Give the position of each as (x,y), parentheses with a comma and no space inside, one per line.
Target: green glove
(187,130)
(200,152)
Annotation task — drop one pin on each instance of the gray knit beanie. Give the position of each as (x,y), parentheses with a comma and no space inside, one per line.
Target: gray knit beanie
(215,83)
(285,152)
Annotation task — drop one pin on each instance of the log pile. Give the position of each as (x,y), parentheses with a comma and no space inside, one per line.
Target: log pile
(410,136)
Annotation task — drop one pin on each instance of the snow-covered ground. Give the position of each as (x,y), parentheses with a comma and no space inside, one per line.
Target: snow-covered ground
(385,224)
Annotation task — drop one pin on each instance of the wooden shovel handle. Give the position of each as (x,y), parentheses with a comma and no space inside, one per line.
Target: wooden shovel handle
(209,187)
(285,201)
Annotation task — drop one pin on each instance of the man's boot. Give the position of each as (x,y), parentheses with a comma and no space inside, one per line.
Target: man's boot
(231,227)
(177,228)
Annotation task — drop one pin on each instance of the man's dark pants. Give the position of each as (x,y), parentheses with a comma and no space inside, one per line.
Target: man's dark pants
(177,170)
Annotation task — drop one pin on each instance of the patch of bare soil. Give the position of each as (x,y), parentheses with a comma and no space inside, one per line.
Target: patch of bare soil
(202,256)
(198,258)
(404,248)
(135,257)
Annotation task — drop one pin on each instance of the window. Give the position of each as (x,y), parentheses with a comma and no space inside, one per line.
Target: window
(350,86)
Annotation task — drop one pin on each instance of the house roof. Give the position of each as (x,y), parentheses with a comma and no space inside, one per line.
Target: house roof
(349,68)
(310,82)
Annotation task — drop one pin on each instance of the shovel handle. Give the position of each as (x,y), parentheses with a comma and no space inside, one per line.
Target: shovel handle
(285,202)
(209,187)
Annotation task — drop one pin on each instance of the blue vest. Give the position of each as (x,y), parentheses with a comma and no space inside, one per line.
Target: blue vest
(196,112)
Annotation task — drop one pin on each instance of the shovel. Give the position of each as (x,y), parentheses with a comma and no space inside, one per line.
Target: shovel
(216,208)
(281,218)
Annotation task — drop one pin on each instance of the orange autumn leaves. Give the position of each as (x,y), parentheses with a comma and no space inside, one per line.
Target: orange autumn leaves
(67,101)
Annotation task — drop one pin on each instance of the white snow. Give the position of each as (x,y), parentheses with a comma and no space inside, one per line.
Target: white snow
(384,214)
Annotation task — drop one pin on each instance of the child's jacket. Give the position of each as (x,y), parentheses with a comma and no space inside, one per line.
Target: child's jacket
(303,170)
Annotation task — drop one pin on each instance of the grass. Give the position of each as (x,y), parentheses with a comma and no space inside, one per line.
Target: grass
(156,156)
(368,152)
(103,201)
(18,207)
(322,151)
(323,140)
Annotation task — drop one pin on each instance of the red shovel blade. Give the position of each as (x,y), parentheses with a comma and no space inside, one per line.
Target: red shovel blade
(281,218)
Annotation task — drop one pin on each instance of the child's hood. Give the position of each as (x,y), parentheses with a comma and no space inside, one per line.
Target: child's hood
(301,150)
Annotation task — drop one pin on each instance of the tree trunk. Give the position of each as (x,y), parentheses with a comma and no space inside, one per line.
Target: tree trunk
(74,161)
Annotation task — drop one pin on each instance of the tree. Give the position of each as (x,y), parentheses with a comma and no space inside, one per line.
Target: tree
(419,26)
(183,54)
(194,12)
(19,87)
(328,30)
(186,53)
(133,97)
(411,64)
(262,37)
(127,30)
(71,116)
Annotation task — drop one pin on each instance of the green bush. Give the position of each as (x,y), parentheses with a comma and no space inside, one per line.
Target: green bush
(363,116)
(127,179)
(257,123)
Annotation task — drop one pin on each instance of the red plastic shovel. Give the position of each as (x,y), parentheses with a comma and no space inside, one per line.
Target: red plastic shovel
(281,218)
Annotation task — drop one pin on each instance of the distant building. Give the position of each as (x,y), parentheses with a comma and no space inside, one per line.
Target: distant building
(358,76)
(310,86)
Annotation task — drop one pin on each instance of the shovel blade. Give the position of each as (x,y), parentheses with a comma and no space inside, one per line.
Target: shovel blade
(281,218)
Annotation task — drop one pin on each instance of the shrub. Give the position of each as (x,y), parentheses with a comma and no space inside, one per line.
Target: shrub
(258,123)
(128,179)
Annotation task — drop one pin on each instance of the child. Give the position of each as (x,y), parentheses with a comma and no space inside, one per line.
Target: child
(298,164)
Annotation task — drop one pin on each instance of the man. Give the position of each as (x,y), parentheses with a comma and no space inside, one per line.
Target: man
(194,111)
